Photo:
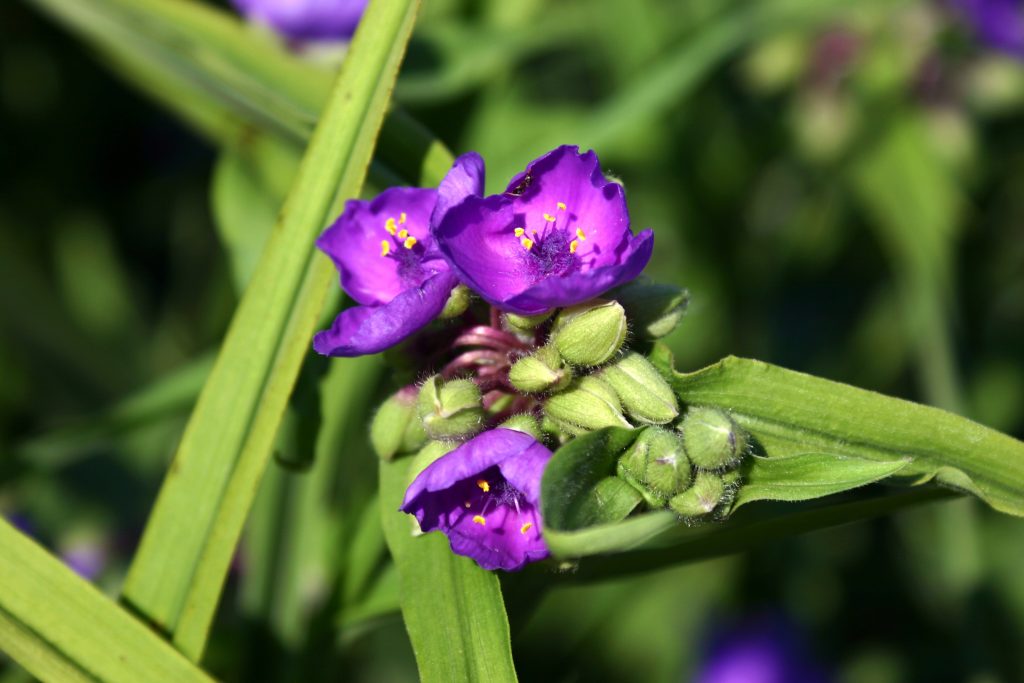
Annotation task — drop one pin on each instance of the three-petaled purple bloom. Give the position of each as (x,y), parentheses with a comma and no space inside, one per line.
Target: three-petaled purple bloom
(389,265)
(559,235)
(1000,23)
(302,20)
(762,650)
(485,496)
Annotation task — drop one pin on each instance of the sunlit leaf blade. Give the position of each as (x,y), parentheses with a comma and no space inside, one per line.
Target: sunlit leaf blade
(789,413)
(809,475)
(178,573)
(60,628)
(453,609)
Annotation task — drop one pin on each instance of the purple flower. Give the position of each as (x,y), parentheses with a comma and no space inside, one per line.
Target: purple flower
(1000,23)
(763,650)
(87,558)
(558,236)
(389,265)
(306,19)
(485,496)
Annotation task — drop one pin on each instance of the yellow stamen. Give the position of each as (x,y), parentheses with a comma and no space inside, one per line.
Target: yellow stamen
(401,218)
(477,519)
(520,231)
(527,243)
(403,233)
(409,242)
(526,527)
(484,485)
(385,247)
(579,233)
(572,246)
(549,218)
(561,206)
(389,225)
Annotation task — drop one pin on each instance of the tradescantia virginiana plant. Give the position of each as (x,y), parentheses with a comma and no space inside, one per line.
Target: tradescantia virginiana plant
(544,419)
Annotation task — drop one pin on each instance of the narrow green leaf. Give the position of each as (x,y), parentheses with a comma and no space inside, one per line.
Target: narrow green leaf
(453,609)
(60,628)
(789,412)
(806,476)
(178,573)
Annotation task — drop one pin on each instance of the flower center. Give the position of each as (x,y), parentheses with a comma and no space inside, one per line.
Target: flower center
(404,248)
(494,494)
(552,247)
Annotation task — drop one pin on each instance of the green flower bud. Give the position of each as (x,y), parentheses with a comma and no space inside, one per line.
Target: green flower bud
(543,371)
(653,309)
(713,441)
(645,394)
(701,498)
(590,334)
(450,410)
(526,323)
(586,405)
(396,427)
(656,465)
(524,422)
(458,302)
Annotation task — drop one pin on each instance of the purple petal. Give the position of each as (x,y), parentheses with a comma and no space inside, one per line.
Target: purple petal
(1000,23)
(354,242)
(87,559)
(465,179)
(761,650)
(306,19)
(363,330)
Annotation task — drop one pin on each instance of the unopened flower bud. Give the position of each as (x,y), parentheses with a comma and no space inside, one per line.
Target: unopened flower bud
(396,427)
(524,422)
(644,393)
(713,441)
(543,371)
(653,309)
(701,498)
(450,410)
(526,323)
(458,302)
(590,334)
(586,405)
(656,465)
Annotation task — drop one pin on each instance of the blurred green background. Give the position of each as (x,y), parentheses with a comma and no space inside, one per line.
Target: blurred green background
(838,184)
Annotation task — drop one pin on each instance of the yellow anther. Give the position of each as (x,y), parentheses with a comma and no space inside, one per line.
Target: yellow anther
(526,527)
(527,243)
(561,206)
(549,218)
(579,233)
(409,243)
(573,245)
(484,485)
(401,218)
(478,519)
(385,247)
(520,231)
(403,233)
(389,225)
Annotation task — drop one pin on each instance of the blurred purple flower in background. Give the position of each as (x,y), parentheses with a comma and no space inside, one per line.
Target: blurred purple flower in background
(485,496)
(760,650)
(558,236)
(999,23)
(86,557)
(304,20)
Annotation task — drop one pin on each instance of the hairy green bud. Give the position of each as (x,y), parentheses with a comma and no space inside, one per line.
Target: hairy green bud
(450,410)
(590,334)
(644,393)
(701,498)
(586,405)
(396,427)
(713,441)
(543,371)
(526,323)
(656,465)
(524,422)
(458,302)
(653,309)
